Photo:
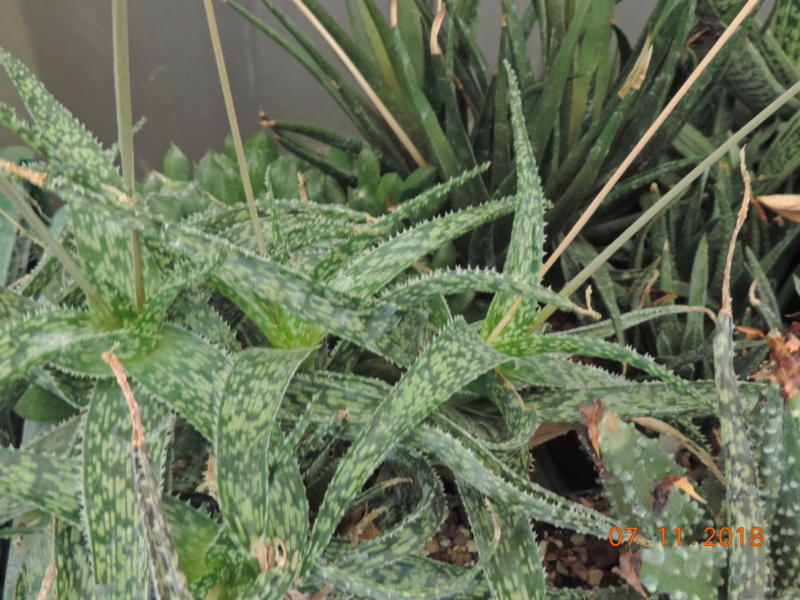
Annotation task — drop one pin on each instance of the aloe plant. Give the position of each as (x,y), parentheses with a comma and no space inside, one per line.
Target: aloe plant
(319,369)
(329,270)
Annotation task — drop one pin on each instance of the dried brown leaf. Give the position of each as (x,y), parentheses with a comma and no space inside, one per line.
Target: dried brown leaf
(630,563)
(786,205)
(590,417)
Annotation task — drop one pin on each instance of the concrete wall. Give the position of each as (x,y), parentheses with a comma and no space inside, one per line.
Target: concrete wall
(67,43)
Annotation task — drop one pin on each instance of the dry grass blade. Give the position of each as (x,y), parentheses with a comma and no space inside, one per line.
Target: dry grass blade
(169,580)
(234,123)
(748,194)
(587,214)
(47,582)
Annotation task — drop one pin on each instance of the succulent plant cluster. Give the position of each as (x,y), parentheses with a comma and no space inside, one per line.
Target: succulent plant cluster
(273,376)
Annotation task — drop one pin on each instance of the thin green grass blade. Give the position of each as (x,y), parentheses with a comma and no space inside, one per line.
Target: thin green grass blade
(323,71)
(698,295)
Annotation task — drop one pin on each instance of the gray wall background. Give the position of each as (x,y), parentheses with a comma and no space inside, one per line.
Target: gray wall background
(67,44)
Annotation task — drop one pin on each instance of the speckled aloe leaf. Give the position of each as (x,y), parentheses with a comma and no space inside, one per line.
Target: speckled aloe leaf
(183,277)
(192,310)
(375,268)
(333,393)
(59,440)
(556,371)
(631,400)
(110,511)
(70,143)
(515,570)
(457,281)
(520,421)
(785,530)
(292,212)
(74,580)
(480,470)
(597,348)
(781,156)
(749,564)
(605,328)
(103,253)
(416,510)
(683,571)
(46,481)
(287,517)
(634,467)
(427,203)
(193,532)
(282,328)
(14,306)
(377,326)
(286,523)
(411,577)
(249,404)
(184,371)
(451,361)
(525,250)
(766,424)
(37,337)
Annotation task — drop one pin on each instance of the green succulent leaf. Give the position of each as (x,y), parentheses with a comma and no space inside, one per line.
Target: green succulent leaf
(248,407)
(582,346)
(110,507)
(46,481)
(443,368)
(376,268)
(69,142)
(525,251)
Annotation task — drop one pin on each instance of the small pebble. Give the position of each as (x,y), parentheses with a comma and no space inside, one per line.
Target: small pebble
(577,539)
(595,577)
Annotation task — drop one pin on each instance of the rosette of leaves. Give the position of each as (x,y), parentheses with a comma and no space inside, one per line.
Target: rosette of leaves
(359,395)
